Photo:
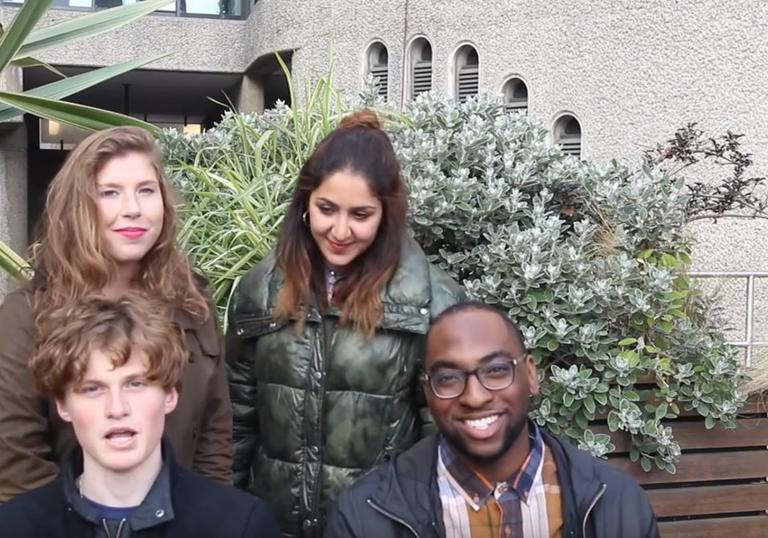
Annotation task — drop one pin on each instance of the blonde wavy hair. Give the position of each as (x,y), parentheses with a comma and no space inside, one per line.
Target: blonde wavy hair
(71,257)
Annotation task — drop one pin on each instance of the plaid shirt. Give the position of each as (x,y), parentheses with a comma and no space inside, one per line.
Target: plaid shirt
(528,505)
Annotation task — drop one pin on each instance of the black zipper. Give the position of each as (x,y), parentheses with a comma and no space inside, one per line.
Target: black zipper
(392,516)
(320,404)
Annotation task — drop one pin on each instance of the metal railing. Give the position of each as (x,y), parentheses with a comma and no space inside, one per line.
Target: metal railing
(748,343)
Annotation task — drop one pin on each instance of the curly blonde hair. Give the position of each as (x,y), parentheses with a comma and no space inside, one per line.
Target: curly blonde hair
(117,327)
(71,256)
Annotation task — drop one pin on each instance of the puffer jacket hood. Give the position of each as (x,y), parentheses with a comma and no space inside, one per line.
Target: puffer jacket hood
(316,409)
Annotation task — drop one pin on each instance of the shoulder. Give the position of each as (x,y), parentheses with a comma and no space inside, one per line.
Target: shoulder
(445,291)
(585,468)
(257,288)
(201,502)
(18,304)
(27,514)
(417,281)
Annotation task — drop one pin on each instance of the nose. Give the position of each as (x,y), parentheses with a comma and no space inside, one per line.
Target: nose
(475,395)
(130,206)
(341,230)
(117,404)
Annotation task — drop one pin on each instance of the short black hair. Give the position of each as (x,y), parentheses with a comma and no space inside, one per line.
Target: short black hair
(467,306)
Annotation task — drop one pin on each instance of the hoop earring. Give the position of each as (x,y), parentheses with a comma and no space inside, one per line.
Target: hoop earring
(305,218)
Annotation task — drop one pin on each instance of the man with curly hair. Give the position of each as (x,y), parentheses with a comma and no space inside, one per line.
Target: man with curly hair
(113,368)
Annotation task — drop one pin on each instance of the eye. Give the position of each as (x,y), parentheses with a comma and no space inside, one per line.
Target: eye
(147,190)
(89,389)
(325,209)
(108,193)
(137,384)
(361,216)
(447,378)
(498,370)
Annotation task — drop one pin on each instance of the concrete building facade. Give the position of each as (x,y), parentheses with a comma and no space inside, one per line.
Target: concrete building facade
(629,72)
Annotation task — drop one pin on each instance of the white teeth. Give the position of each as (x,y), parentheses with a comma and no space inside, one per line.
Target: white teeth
(481,423)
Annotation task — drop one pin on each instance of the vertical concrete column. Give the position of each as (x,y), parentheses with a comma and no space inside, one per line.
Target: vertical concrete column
(13,192)
(250,97)
(13,179)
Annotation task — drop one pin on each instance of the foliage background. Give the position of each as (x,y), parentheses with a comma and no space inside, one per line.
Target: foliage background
(590,260)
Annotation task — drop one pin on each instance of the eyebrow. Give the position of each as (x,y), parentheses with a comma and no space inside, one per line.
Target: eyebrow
(131,377)
(359,208)
(141,184)
(448,363)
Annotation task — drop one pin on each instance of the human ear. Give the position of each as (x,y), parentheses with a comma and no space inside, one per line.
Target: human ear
(533,378)
(61,409)
(171,399)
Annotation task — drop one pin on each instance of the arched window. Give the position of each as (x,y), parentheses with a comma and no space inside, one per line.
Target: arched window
(378,67)
(420,56)
(467,68)
(515,96)
(567,135)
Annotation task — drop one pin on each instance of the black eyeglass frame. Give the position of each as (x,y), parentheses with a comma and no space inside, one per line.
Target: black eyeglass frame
(426,378)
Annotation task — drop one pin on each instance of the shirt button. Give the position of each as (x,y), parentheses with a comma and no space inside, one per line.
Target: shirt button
(159,513)
(240,331)
(319,375)
(424,311)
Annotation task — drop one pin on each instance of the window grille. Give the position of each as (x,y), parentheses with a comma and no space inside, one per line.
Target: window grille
(378,68)
(568,135)
(467,73)
(421,67)
(515,96)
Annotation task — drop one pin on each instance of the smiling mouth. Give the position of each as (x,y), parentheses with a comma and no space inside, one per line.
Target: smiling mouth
(481,424)
(339,246)
(131,233)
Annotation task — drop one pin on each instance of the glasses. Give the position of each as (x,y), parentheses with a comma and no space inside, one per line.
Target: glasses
(447,383)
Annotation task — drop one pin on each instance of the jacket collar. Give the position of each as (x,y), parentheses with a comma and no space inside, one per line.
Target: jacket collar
(409,488)
(406,298)
(155,509)
(577,473)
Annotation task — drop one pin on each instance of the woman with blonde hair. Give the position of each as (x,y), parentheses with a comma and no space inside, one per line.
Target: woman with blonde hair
(326,334)
(109,227)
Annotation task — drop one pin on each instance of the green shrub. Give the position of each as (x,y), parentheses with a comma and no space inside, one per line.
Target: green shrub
(590,260)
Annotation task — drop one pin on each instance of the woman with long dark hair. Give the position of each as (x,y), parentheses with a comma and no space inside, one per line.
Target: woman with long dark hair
(326,334)
(109,228)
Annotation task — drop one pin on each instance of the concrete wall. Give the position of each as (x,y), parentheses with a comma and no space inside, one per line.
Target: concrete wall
(631,72)
(196,44)
(13,179)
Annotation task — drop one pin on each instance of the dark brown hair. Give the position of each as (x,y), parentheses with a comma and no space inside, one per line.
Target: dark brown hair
(116,327)
(72,255)
(358,145)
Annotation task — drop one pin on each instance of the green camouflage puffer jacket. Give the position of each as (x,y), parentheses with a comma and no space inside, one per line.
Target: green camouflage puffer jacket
(314,410)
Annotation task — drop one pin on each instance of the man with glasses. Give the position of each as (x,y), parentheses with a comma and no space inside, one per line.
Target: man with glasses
(490,472)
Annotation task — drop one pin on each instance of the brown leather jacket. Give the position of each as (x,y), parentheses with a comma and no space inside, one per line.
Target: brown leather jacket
(33,438)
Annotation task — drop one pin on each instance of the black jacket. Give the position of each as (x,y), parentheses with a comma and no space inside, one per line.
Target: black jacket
(400,499)
(180,504)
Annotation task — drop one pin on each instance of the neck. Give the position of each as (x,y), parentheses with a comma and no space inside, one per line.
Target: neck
(507,465)
(122,282)
(116,488)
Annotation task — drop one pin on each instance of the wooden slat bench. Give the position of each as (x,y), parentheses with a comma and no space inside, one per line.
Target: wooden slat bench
(720,488)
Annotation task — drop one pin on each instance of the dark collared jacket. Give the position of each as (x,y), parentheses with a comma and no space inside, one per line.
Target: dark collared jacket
(34,439)
(180,504)
(401,499)
(317,408)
